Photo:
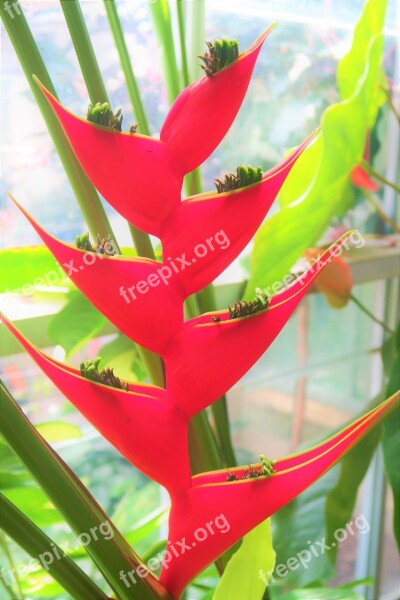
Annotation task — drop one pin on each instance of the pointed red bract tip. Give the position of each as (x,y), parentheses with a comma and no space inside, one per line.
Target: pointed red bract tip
(139,176)
(204,356)
(210,230)
(210,518)
(135,294)
(138,423)
(202,114)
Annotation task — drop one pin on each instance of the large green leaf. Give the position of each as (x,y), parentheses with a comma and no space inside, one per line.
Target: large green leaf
(391,449)
(351,67)
(341,500)
(33,266)
(28,266)
(76,323)
(241,579)
(300,522)
(34,504)
(59,431)
(302,220)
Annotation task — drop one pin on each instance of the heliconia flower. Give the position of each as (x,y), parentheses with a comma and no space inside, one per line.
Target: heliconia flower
(336,282)
(142,177)
(138,422)
(221,512)
(209,357)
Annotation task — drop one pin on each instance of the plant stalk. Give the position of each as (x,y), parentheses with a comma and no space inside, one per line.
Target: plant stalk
(32,539)
(380,210)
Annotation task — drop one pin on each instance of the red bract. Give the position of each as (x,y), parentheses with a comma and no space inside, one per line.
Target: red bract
(138,423)
(241,505)
(205,356)
(209,358)
(202,114)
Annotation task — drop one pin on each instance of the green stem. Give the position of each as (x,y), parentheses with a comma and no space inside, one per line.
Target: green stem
(84,50)
(203,449)
(182,40)
(162,23)
(370,314)
(131,84)
(32,63)
(371,171)
(54,478)
(7,553)
(391,104)
(197,37)
(380,210)
(32,539)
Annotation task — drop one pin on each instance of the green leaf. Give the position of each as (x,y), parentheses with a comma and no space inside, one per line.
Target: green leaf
(321,510)
(301,521)
(301,221)
(122,355)
(14,480)
(350,68)
(391,449)
(22,268)
(341,500)
(315,594)
(34,504)
(33,266)
(241,578)
(76,323)
(58,431)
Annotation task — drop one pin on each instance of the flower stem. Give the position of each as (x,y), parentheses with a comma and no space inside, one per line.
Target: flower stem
(131,84)
(32,63)
(370,314)
(32,539)
(84,51)
(367,167)
(380,210)
(391,104)
(162,23)
(182,40)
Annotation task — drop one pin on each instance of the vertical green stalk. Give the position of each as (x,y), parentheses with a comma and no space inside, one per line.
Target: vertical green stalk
(162,22)
(198,15)
(32,539)
(32,63)
(86,58)
(131,84)
(182,40)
